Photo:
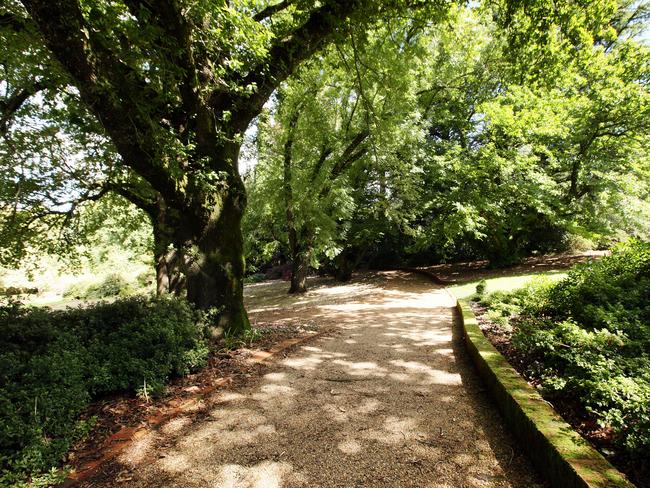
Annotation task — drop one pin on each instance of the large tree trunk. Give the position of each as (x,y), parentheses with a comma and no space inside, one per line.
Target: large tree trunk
(213,250)
(299,270)
(169,277)
(215,272)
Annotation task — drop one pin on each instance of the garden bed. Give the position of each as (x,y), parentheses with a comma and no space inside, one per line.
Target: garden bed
(118,417)
(582,343)
(572,412)
(78,381)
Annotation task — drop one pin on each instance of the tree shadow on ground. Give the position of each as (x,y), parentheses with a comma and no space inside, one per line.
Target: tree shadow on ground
(390,399)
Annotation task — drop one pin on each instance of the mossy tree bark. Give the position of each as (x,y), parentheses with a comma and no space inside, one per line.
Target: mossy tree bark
(214,258)
(168,256)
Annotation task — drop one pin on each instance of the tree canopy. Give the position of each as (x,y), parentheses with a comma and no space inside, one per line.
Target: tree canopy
(470,149)
(173,86)
(387,132)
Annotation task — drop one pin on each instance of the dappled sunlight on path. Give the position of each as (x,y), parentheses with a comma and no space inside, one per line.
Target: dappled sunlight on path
(387,400)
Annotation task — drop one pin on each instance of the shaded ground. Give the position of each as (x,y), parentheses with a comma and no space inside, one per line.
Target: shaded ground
(115,414)
(458,273)
(389,399)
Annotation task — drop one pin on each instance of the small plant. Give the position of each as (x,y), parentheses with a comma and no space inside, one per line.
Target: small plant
(149,390)
(111,286)
(251,335)
(144,279)
(481,286)
(77,291)
(246,339)
(254,278)
(230,341)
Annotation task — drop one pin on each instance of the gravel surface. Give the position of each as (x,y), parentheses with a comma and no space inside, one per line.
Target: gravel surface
(389,399)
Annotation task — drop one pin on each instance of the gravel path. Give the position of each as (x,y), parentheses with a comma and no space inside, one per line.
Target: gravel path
(389,399)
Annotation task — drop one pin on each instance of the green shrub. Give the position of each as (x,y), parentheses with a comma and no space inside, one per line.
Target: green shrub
(144,279)
(480,288)
(112,285)
(52,363)
(577,243)
(233,341)
(587,338)
(255,278)
(77,291)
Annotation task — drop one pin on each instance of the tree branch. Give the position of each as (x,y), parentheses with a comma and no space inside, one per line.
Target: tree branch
(13,22)
(11,105)
(351,153)
(325,152)
(108,86)
(130,193)
(284,57)
(271,10)
(167,16)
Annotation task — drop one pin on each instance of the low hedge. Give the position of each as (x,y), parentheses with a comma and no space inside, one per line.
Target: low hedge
(53,363)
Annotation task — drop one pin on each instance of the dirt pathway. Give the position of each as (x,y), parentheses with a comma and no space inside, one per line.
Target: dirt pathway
(390,399)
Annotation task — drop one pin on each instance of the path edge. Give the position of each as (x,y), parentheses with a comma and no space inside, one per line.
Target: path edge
(564,457)
(119,441)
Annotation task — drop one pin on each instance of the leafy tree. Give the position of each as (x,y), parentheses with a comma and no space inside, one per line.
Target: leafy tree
(56,164)
(349,120)
(519,157)
(500,158)
(174,87)
(164,93)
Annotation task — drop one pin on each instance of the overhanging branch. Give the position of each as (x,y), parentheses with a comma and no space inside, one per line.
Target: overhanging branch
(283,58)
(271,10)
(10,106)
(13,22)
(108,86)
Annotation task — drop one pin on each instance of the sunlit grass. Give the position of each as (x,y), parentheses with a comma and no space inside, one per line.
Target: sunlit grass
(52,280)
(503,283)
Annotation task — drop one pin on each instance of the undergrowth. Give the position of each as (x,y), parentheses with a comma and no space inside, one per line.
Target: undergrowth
(53,363)
(587,339)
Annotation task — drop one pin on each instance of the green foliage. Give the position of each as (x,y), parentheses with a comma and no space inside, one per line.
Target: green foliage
(255,278)
(245,339)
(480,288)
(348,127)
(76,290)
(112,285)
(521,158)
(54,362)
(144,279)
(164,130)
(609,293)
(587,338)
(472,152)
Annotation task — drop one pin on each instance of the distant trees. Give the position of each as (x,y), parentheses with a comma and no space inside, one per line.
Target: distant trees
(473,143)
(519,155)
(345,122)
